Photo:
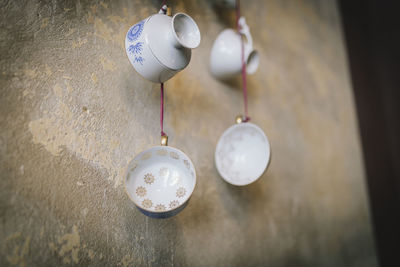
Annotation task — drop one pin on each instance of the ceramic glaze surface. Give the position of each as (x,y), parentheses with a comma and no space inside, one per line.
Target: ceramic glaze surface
(160,46)
(226,53)
(160,179)
(242,154)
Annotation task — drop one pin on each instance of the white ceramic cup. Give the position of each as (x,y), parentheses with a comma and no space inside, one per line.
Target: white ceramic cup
(226,53)
(160,46)
(160,181)
(242,154)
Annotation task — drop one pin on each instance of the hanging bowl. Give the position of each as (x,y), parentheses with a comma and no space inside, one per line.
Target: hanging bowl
(242,154)
(160,181)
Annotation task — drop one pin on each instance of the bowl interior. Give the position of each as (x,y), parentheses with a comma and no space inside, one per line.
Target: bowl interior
(186,30)
(160,179)
(242,154)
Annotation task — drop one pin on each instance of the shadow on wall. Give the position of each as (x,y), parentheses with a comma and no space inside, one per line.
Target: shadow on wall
(159,243)
(226,16)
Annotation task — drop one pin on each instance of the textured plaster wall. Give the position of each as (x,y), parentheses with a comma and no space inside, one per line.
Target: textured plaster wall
(73,112)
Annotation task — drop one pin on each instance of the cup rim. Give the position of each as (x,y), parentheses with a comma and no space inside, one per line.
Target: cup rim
(165,211)
(193,22)
(251,65)
(231,128)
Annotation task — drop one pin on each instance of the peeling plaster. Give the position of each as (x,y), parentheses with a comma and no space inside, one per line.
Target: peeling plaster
(70,246)
(63,129)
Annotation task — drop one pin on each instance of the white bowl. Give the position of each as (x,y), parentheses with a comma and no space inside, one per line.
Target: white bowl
(242,154)
(160,181)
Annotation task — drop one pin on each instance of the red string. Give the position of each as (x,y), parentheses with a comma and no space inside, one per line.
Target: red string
(244,77)
(162,110)
(164,2)
(237,14)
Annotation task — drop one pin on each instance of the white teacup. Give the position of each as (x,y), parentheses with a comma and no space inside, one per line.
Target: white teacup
(226,53)
(160,46)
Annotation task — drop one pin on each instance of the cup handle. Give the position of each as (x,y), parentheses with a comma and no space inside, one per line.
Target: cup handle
(163,10)
(245,30)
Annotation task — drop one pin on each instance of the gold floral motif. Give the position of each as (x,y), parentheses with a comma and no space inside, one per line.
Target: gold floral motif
(162,152)
(146,155)
(141,191)
(148,178)
(174,155)
(173,204)
(164,171)
(187,164)
(180,192)
(159,207)
(147,203)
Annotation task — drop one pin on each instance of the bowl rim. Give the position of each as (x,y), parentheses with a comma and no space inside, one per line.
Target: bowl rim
(231,128)
(153,148)
(197,30)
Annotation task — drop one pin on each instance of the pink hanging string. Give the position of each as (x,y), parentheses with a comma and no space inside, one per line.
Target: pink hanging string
(162,110)
(244,77)
(162,86)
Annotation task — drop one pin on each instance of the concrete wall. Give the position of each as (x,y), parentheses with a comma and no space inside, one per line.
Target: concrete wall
(73,113)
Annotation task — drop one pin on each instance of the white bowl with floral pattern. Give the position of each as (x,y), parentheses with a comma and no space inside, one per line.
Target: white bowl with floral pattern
(242,154)
(160,181)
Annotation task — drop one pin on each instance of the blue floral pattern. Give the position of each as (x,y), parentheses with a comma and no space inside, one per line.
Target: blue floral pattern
(134,32)
(136,48)
(139,59)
